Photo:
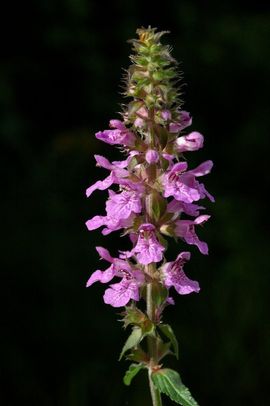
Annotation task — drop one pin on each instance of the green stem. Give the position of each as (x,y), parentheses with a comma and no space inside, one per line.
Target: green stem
(155,394)
(152,347)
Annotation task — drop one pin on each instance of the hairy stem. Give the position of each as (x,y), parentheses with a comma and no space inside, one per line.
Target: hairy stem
(152,347)
(155,394)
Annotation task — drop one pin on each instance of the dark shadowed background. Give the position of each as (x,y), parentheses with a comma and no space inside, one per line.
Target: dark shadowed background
(60,76)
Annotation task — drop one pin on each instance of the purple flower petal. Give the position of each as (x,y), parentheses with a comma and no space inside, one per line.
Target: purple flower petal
(114,224)
(191,209)
(95,222)
(186,230)
(99,276)
(119,135)
(202,219)
(119,294)
(184,120)
(121,205)
(101,185)
(103,162)
(119,125)
(175,276)
(148,249)
(166,115)
(104,254)
(190,142)
(203,169)
(182,185)
(170,301)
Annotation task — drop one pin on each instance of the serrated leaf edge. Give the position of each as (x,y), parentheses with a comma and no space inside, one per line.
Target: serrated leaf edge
(176,389)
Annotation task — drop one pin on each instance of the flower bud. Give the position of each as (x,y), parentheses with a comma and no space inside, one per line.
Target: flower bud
(190,142)
(142,115)
(152,156)
(167,229)
(166,115)
(133,316)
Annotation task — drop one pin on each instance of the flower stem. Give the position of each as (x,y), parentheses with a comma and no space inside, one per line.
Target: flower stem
(155,394)
(152,347)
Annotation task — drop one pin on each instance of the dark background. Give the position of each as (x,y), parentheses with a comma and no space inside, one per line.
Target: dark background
(60,77)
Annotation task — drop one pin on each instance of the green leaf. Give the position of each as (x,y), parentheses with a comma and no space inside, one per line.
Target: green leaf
(168,332)
(133,107)
(155,205)
(135,316)
(131,372)
(164,163)
(138,355)
(159,293)
(132,163)
(147,327)
(162,135)
(159,75)
(136,223)
(163,349)
(132,341)
(151,171)
(162,241)
(169,382)
(168,229)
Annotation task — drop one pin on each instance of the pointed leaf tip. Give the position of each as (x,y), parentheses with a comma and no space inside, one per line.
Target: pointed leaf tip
(168,332)
(132,341)
(132,372)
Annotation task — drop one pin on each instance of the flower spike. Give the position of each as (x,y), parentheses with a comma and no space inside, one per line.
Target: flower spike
(152,195)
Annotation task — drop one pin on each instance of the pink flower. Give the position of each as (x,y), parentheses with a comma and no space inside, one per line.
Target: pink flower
(121,205)
(175,276)
(110,223)
(118,294)
(118,175)
(166,115)
(147,248)
(117,172)
(186,230)
(120,134)
(107,275)
(182,184)
(120,208)
(184,120)
(190,142)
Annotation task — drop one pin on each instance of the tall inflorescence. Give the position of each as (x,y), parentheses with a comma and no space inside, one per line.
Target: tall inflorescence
(154,197)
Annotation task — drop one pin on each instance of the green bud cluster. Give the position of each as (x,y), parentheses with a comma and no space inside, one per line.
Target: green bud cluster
(153,74)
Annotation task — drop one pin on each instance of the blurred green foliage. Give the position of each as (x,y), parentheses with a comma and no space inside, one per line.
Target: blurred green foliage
(59,81)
